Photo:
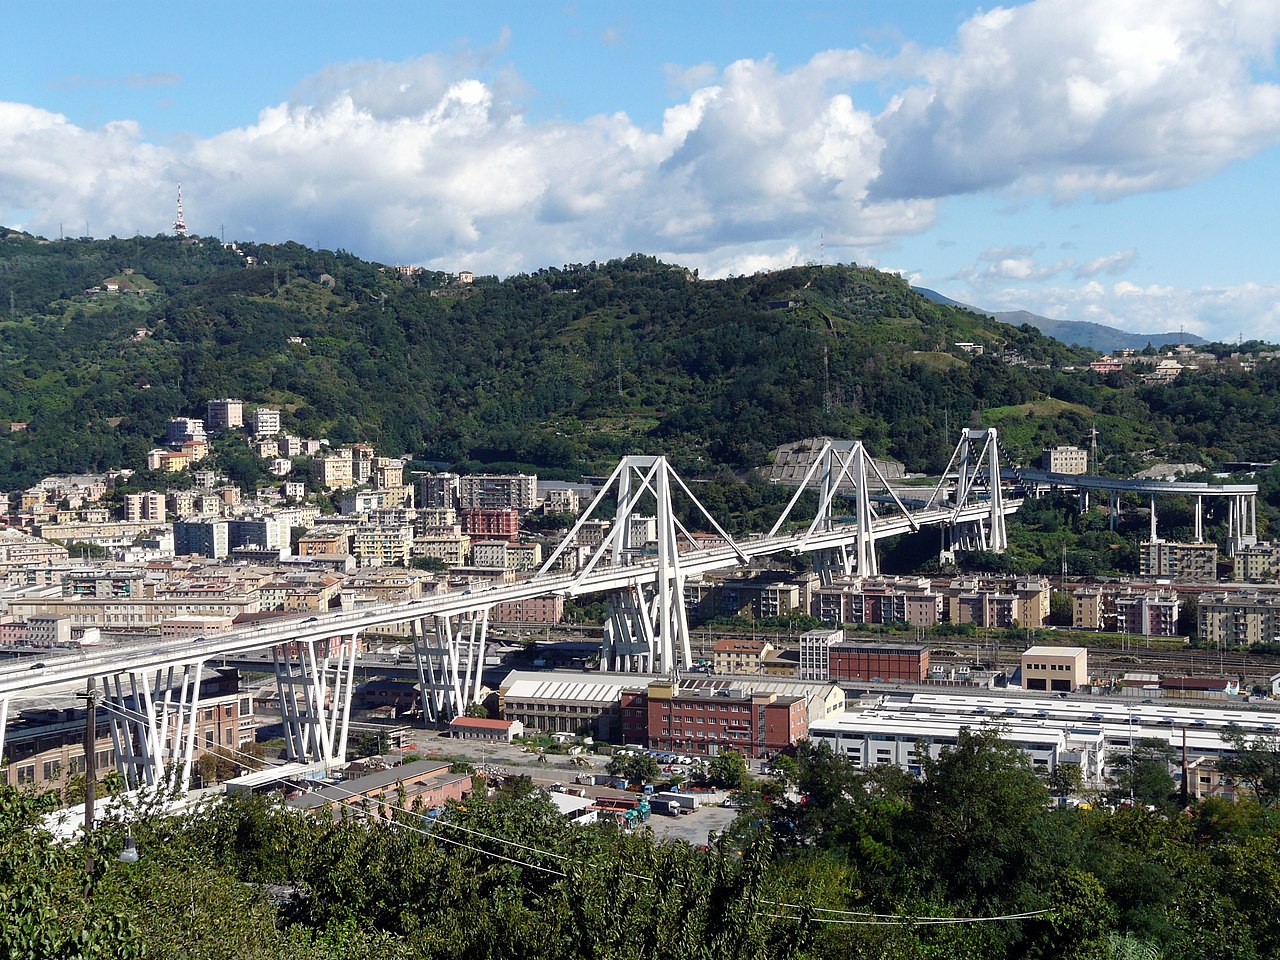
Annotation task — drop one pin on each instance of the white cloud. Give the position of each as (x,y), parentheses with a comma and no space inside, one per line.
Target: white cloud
(1217,313)
(1111,263)
(433,160)
(1084,96)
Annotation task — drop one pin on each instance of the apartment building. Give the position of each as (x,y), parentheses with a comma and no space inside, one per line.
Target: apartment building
(149,505)
(498,492)
(1241,618)
(1065,459)
(225,414)
(490,524)
(438,491)
(387,472)
(178,430)
(452,547)
(878,600)
(1151,612)
(740,656)
(1148,613)
(204,538)
(378,545)
(1178,561)
(1258,562)
(265,422)
(333,471)
(549,609)
(998,602)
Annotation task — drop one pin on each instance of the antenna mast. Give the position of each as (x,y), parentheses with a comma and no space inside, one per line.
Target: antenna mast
(180,225)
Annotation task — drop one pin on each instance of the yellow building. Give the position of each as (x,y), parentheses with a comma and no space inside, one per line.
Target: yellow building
(1055,669)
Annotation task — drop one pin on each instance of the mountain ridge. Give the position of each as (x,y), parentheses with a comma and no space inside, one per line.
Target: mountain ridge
(1080,333)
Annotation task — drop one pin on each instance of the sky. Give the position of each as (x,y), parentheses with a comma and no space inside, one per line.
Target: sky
(1097,160)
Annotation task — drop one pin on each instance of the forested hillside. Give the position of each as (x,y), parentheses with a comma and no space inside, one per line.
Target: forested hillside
(562,370)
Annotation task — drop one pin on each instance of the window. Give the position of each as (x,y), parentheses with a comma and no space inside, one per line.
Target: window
(27,773)
(52,769)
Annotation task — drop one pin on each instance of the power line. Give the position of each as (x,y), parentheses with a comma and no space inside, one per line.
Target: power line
(863,918)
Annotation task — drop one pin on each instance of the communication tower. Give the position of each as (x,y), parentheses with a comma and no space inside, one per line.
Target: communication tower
(180,225)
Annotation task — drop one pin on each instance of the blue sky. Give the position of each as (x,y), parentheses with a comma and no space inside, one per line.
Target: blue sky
(1082,159)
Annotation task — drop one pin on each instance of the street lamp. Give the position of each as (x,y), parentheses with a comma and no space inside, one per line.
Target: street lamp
(130,852)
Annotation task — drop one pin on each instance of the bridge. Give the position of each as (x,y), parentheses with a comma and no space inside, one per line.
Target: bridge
(1242,498)
(151,689)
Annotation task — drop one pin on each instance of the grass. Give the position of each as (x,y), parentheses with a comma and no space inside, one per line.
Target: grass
(935,360)
(1047,407)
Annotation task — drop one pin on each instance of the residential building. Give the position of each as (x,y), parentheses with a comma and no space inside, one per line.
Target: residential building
(878,600)
(1066,459)
(178,430)
(1241,618)
(497,492)
(1178,561)
(438,491)
(452,547)
(325,541)
(376,545)
(740,657)
(548,609)
(137,613)
(1055,669)
(333,471)
(998,602)
(20,549)
(562,500)
(1149,613)
(149,505)
(205,538)
(1086,608)
(224,415)
(265,422)
(387,472)
(1258,562)
(484,523)
(167,461)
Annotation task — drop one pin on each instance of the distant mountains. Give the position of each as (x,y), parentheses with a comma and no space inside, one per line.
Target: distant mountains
(1095,336)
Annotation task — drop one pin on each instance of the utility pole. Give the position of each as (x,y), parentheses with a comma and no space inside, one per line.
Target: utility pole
(90,777)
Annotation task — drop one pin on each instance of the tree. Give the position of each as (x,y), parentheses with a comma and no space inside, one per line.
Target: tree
(637,768)
(1254,762)
(1143,774)
(478,710)
(1065,779)
(728,770)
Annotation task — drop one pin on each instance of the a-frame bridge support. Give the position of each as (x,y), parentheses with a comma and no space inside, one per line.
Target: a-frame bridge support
(647,629)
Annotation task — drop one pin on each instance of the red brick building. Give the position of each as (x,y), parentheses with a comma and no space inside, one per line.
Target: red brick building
(663,717)
(490,524)
(872,661)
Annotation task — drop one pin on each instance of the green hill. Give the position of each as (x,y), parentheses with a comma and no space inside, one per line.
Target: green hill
(564,369)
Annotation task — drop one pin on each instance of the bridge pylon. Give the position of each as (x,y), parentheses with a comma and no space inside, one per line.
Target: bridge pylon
(449,651)
(842,467)
(315,680)
(975,469)
(647,629)
(151,716)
